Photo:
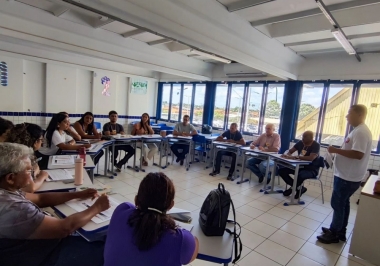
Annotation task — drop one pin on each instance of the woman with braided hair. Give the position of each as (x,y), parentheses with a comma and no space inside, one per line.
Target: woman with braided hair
(143,234)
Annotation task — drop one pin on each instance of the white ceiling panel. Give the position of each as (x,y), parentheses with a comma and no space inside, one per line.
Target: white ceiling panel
(118,27)
(317,46)
(41,4)
(147,37)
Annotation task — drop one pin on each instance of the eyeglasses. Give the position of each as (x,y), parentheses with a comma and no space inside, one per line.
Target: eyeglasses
(31,172)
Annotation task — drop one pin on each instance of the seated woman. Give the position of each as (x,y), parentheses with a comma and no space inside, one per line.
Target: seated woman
(144,234)
(27,235)
(56,139)
(30,135)
(87,130)
(70,130)
(144,128)
(5,127)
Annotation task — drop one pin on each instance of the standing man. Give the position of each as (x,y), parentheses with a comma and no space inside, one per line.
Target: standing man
(231,136)
(267,142)
(183,129)
(308,150)
(113,128)
(351,164)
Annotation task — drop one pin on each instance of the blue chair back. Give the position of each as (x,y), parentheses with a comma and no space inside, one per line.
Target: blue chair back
(167,128)
(98,125)
(199,139)
(162,125)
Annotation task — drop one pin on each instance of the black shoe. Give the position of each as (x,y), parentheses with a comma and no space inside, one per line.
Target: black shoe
(287,192)
(229,177)
(328,237)
(261,179)
(214,173)
(177,160)
(268,180)
(118,167)
(302,192)
(341,235)
(181,163)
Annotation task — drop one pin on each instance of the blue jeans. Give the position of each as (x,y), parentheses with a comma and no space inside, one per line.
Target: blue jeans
(259,167)
(340,202)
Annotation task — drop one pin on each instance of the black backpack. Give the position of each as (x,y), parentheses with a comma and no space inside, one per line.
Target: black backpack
(213,216)
(206,129)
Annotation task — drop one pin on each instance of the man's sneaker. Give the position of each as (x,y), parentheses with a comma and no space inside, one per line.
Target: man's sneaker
(214,173)
(341,235)
(177,160)
(287,192)
(181,162)
(268,180)
(328,237)
(230,177)
(302,192)
(261,179)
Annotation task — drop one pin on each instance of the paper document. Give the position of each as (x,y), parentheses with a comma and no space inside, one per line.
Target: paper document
(178,210)
(329,160)
(185,226)
(63,160)
(81,205)
(60,174)
(151,136)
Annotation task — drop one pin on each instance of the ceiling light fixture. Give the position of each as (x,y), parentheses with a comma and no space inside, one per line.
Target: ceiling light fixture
(341,38)
(211,56)
(327,13)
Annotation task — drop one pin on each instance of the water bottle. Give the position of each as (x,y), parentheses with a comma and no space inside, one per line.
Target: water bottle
(78,180)
(82,155)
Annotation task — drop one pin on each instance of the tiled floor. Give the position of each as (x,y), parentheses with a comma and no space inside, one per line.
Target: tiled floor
(272,234)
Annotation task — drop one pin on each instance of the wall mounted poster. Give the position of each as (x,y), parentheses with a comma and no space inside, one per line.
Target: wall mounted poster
(106,85)
(139,86)
(3,74)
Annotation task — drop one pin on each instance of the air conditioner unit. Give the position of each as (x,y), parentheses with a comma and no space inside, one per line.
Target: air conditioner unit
(241,71)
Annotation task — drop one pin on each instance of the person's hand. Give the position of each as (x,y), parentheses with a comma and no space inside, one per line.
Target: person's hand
(286,156)
(230,141)
(87,193)
(72,142)
(102,203)
(261,148)
(87,145)
(252,147)
(43,174)
(332,149)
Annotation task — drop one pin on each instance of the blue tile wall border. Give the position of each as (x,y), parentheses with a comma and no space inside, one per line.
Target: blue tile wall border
(43,114)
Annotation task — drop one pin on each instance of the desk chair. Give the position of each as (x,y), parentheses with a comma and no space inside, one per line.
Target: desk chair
(322,165)
(200,145)
(98,125)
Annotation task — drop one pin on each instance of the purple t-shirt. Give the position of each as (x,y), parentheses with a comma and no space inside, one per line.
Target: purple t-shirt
(173,249)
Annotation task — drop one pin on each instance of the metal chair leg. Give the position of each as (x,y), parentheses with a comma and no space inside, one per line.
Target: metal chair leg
(323,197)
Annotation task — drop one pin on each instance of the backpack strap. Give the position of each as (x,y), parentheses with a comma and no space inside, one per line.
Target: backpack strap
(235,235)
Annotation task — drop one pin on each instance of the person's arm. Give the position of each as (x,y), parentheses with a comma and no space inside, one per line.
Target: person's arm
(74,134)
(121,130)
(150,130)
(310,157)
(36,183)
(96,135)
(43,200)
(352,154)
(195,254)
(176,131)
(291,151)
(74,147)
(241,141)
(221,137)
(106,129)
(134,130)
(255,143)
(276,145)
(359,146)
(78,128)
(52,228)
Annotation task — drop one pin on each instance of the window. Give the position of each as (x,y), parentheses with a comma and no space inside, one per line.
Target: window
(187,99)
(199,101)
(165,101)
(273,107)
(253,110)
(175,107)
(236,104)
(334,122)
(369,95)
(308,114)
(220,105)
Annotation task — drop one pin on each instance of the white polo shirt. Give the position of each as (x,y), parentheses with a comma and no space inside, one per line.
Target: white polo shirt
(359,139)
(56,139)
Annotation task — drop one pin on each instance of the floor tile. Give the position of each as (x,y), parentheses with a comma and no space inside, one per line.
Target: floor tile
(186,206)
(250,239)
(317,216)
(261,205)
(287,240)
(275,252)
(272,220)
(318,254)
(342,261)
(240,218)
(260,228)
(256,259)
(305,222)
(335,247)
(284,214)
(299,260)
(318,208)
(198,201)
(249,211)
(297,230)
(270,200)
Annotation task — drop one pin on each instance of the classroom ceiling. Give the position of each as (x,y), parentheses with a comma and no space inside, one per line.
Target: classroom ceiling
(301,26)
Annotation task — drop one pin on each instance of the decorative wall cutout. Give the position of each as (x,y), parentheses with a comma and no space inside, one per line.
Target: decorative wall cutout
(139,86)
(106,85)
(3,74)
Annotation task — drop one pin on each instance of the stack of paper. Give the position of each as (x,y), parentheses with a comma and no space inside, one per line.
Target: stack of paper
(63,160)
(60,174)
(81,205)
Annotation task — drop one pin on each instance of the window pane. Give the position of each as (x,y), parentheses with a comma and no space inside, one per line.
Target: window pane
(310,107)
(236,104)
(220,105)
(274,105)
(176,94)
(369,95)
(199,101)
(187,98)
(253,111)
(165,102)
(335,123)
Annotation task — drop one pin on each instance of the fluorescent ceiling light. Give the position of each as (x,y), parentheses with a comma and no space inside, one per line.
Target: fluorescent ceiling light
(246,75)
(325,12)
(211,56)
(341,38)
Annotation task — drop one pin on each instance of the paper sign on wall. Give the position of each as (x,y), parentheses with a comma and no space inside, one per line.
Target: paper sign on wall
(139,86)
(106,85)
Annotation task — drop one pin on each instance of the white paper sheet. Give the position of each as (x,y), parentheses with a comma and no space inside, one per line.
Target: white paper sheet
(178,210)
(81,205)
(60,174)
(63,160)
(185,226)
